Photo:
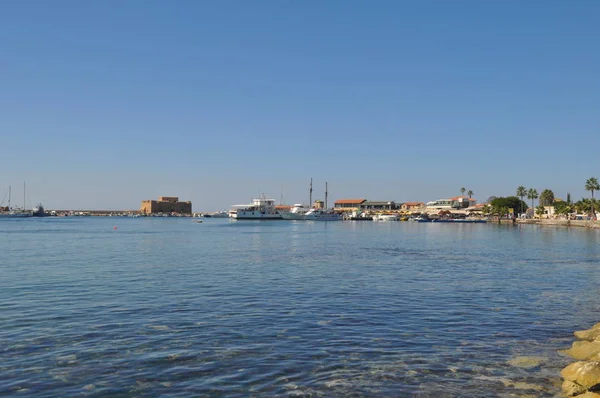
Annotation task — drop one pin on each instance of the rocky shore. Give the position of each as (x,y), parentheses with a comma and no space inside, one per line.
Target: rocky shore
(582,378)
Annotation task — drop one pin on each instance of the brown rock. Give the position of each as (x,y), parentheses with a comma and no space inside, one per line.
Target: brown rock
(571,388)
(589,334)
(589,394)
(586,374)
(583,350)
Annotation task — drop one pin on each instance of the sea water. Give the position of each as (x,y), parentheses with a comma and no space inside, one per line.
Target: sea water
(136,307)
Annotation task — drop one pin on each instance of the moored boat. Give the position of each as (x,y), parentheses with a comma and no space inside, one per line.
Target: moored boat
(322,215)
(298,212)
(260,209)
(386,217)
(15,212)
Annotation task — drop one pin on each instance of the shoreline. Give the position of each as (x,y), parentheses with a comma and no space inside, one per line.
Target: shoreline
(561,223)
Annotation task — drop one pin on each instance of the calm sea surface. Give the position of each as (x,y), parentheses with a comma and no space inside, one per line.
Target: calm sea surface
(173,308)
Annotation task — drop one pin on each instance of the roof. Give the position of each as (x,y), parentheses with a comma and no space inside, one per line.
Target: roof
(350,201)
(379,202)
(461,197)
(414,204)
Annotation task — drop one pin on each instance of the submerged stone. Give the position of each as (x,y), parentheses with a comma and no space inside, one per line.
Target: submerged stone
(526,362)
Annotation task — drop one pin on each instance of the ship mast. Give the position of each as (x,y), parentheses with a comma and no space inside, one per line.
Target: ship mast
(9,191)
(23,195)
(310,194)
(326,196)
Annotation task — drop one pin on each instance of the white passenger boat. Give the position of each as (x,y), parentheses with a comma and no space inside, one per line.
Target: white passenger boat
(260,209)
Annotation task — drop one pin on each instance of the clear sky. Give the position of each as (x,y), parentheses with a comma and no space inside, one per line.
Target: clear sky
(105,103)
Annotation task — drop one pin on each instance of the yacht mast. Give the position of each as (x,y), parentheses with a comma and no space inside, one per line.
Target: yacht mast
(23,195)
(310,194)
(9,189)
(326,195)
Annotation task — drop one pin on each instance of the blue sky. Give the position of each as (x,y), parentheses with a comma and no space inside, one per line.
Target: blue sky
(103,104)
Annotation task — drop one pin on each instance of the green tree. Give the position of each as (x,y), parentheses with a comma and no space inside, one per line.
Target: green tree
(563,208)
(532,194)
(592,185)
(462,191)
(486,210)
(585,206)
(540,211)
(470,193)
(546,198)
(568,198)
(510,202)
(521,193)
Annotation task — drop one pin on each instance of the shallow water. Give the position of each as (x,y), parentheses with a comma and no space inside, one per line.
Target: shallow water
(236,308)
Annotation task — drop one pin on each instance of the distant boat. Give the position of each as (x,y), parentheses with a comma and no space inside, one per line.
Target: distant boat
(260,209)
(297,212)
(322,215)
(39,211)
(386,217)
(16,212)
(219,214)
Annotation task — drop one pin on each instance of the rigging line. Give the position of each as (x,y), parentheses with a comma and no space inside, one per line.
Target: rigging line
(2,204)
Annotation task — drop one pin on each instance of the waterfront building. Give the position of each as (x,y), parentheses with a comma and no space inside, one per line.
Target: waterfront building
(348,204)
(412,206)
(458,202)
(166,204)
(380,205)
(318,204)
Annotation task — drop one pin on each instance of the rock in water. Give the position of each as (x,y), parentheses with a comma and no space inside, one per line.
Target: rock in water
(583,350)
(571,388)
(589,394)
(590,334)
(586,374)
(525,362)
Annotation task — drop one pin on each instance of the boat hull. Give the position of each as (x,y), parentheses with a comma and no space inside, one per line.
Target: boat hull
(292,216)
(16,215)
(256,216)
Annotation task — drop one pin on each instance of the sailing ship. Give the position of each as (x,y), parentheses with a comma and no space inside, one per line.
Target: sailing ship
(15,212)
(301,212)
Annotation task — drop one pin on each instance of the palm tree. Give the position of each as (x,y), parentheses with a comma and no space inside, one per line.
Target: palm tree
(462,191)
(532,194)
(521,193)
(470,193)
(540,211)
(592,185)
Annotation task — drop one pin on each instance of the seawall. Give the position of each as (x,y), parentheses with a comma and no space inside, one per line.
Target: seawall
(562,223)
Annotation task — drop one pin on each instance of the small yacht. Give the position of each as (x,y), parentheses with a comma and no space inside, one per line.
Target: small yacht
(322,215)
(260,209)
(297,212)
(218,214)
(386,217)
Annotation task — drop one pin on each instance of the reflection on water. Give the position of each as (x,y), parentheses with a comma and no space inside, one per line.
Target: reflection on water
(175,308)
